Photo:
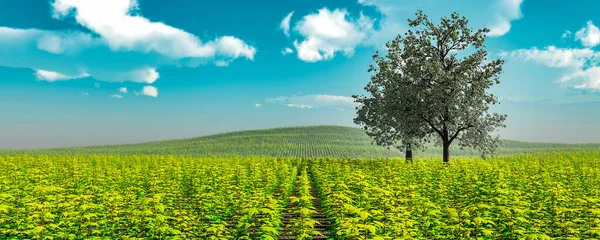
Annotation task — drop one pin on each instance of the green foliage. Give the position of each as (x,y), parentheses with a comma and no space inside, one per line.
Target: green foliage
(303,225)
(433,83)
(541,196)
(117,197)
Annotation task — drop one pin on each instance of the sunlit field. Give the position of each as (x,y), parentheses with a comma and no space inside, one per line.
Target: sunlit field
(534,196)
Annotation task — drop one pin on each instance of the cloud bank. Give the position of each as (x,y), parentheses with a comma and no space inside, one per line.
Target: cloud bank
(314,101)
(320,35)
(579,65)
(122,46)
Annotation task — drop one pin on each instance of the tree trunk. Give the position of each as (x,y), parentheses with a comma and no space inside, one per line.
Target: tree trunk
(446,146)
(409,154)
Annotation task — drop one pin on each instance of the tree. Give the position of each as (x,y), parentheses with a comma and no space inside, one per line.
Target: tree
(433,84)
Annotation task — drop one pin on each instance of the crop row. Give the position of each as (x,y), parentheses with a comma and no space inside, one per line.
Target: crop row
(303,224)
(539,196)
(143,197)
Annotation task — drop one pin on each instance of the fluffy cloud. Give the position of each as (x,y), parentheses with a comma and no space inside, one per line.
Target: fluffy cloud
(150,91)
(130,47)
(557,57)
(508,10)
(326,32)
(314,101)
(49,76)
(145,75)
(580,66)
(497,15)
(257,105)
(123,90)
(114,21)
(117,96)
(589,36)
(299,105)
(287,51)
(566,34)
(285,24)
(587,79)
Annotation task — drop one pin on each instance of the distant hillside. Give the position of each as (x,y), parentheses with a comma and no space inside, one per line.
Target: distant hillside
(305,142)
(518,147)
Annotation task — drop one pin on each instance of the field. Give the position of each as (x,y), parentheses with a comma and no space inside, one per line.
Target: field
(301,142)
(538,196)
(298,183)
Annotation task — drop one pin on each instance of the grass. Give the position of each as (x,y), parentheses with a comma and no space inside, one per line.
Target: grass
(303,142)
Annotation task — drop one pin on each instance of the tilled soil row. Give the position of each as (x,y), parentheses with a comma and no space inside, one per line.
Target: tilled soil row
(322,226)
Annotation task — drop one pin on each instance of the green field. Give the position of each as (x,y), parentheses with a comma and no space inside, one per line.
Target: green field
(298,183)
(540,196)
(302,142)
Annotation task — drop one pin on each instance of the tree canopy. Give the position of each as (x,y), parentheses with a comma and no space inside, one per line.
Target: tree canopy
(432,84)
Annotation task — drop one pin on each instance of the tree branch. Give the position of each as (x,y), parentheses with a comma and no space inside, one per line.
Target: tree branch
(431,125)
(459,130)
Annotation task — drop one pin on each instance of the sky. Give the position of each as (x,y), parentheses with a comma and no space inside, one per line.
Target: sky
(88,72)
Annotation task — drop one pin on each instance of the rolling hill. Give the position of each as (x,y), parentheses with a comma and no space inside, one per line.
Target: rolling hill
(304,142)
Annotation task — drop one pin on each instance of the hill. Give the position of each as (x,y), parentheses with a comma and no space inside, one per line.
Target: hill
(304,142)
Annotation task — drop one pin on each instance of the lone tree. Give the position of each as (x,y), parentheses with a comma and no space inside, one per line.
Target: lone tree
(432,84)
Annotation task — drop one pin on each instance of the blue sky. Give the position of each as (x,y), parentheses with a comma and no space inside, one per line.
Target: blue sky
(81,72)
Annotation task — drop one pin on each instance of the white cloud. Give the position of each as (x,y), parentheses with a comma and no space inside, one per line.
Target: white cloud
(57,42)
(580,66)
(566,34)
(114,21)
(84,94)
(497,15)
(508,11)
(285,24)
(123,90)
(257,105)
(589,36)
(586,79)
(299,105)
(150,91)
(314,101)
(117,96)
(327,32)
(146,75)
(557,57)
(50,76)
(121,44)
(500,28)
(287,51)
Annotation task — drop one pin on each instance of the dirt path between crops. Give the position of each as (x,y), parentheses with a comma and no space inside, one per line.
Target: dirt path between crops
(322,226)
